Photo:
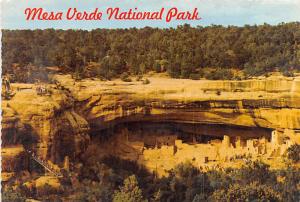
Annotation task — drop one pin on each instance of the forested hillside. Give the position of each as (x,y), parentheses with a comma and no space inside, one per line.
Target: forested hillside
(182,52)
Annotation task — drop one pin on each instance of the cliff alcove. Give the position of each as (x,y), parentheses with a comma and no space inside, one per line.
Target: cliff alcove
(160,145)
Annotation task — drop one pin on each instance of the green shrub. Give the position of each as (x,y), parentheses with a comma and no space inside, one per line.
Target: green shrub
(89,191)
(237,78)
(254,70)
(288,73)
(129,192)
(47,190)
(219,74)
(294,153)
(254,171)
(185,170)
(125,77)
(289,188)
(10,195)
(252,192)
(195,76)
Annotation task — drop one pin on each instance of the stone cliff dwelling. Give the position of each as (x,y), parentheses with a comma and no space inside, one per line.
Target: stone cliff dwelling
(160,146)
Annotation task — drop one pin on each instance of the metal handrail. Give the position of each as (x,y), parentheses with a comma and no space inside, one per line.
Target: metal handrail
(44,164)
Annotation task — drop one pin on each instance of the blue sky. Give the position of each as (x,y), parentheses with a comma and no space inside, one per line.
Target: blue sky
(225,12)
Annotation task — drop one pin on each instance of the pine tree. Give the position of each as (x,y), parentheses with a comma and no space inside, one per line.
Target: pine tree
(129,192)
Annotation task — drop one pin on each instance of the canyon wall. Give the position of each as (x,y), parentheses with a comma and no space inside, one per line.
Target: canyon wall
(272,103)
(57,125)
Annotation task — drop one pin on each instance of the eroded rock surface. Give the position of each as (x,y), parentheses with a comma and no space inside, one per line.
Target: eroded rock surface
(46,125)
(57,125)
(270,103)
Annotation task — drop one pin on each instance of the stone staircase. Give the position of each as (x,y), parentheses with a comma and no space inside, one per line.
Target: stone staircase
(44,164)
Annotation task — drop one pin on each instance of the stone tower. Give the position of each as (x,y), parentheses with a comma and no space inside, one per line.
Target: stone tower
(276,139)
(226,141)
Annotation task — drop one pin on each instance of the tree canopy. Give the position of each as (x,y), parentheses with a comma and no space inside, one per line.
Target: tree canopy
(181,51)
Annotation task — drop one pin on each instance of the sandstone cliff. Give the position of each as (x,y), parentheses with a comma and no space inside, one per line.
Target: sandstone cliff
(271,103)
(58,125)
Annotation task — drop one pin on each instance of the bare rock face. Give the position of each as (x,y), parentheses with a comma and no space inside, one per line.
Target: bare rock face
(13,131)
(71,136)
(13,135)
(270,103)
(52,128)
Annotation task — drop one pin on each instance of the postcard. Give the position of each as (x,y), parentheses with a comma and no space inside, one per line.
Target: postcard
(147,100)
